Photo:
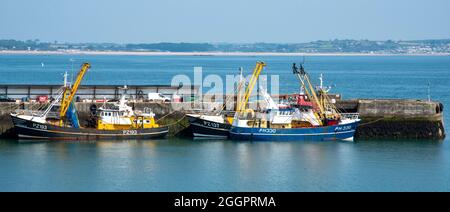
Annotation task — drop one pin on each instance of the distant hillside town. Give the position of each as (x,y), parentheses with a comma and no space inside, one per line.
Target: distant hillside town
(321,46)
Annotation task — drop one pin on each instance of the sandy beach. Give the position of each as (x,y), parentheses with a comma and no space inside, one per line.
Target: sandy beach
(76,52)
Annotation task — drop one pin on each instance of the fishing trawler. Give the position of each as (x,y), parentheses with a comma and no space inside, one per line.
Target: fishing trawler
(317,120)
(209,126)
(118,121)
(218,124)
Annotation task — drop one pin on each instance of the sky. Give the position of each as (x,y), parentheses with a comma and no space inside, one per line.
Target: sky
(237,21)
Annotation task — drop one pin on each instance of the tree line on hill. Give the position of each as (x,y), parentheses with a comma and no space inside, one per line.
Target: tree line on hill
(321,46)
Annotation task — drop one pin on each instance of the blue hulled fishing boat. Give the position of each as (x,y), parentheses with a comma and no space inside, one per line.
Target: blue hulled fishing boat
(319,120)
(342,131)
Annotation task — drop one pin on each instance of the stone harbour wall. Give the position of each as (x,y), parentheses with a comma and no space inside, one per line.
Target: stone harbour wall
(380,119)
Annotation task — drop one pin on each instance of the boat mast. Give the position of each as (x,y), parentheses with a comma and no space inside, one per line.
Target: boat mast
(65,79)
(241,84)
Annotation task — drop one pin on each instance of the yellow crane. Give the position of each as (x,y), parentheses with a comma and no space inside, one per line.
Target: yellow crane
(256,72)
(69,93)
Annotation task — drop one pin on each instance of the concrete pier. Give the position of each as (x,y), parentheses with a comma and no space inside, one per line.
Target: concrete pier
(381,119)
(397,119)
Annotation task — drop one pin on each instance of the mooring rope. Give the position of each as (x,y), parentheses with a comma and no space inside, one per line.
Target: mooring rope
(167,115)
(175,123)
(371,122)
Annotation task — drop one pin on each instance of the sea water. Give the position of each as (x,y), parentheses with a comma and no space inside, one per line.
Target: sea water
(185,164)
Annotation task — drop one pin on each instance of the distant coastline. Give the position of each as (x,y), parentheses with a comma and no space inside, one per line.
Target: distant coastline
(314,48)
(148,53)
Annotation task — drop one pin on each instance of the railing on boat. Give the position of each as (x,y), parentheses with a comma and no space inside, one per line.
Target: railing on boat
(50,114)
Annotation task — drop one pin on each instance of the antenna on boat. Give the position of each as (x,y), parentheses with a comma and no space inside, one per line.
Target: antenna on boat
(65,79)
(241,77)
(125,91)
(321,80)
(326,89)
(72,60)
(241,70)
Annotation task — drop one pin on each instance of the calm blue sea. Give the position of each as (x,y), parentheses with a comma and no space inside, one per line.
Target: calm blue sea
(205,165)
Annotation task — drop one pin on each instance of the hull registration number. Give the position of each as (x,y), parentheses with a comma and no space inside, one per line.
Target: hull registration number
(40,126)
(343,128)
(211,124)
(130,132)
(270,131)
